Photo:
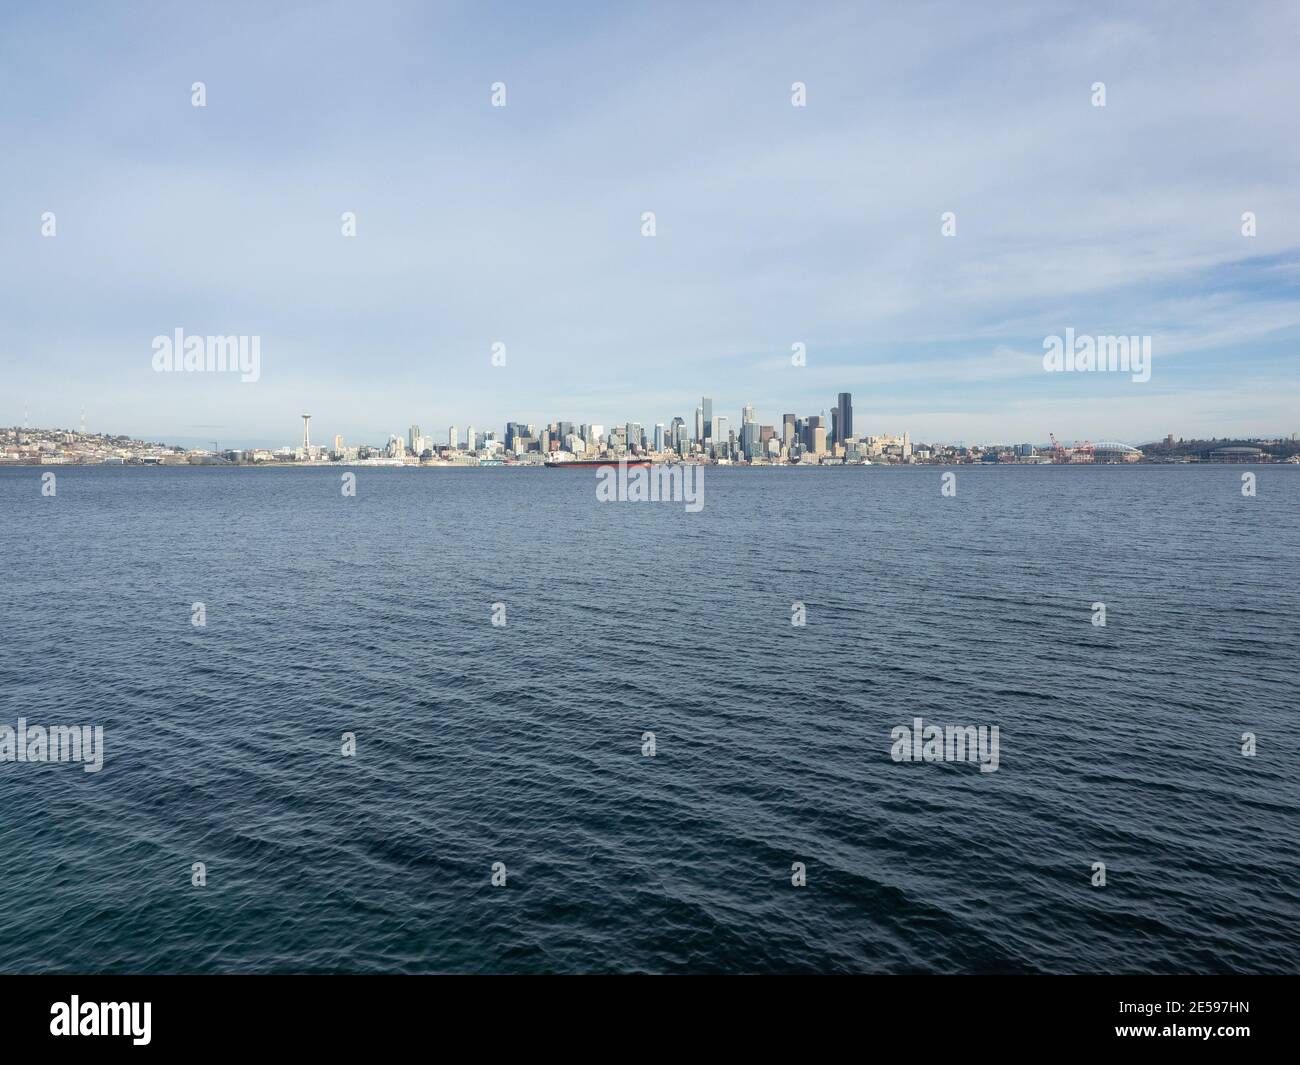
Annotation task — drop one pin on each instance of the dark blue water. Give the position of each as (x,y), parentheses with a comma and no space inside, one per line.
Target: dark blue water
(522,744)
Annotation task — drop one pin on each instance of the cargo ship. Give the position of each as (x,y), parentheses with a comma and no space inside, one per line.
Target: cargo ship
(591,464)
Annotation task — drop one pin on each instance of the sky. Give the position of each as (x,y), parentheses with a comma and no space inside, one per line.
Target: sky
(775,225)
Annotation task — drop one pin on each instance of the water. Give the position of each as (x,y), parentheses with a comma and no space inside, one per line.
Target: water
(480,744)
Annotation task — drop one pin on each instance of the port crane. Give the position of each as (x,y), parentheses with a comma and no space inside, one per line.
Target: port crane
(1085,452)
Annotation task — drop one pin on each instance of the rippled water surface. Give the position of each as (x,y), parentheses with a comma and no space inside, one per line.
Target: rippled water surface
(479,744)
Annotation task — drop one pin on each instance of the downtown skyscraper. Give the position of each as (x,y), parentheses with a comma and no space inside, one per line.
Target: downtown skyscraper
(844,417)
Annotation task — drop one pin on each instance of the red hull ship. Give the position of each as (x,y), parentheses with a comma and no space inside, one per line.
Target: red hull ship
(591,464)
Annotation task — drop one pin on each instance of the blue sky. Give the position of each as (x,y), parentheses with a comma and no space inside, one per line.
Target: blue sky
(775,224)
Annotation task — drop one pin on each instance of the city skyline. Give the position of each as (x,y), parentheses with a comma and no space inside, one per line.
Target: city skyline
(437,438)
(693,428)
(820,226)
(802,440)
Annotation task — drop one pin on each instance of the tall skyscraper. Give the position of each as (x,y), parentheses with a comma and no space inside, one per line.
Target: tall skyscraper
(844,429)
(699,424)
(413,438)
(513,431)
(811,424)
(469,438)
(706,406)
(451,437)
(659,436)
(788,432)
(746,415)
(680,442)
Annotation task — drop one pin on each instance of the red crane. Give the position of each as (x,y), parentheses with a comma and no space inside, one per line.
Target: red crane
(1085,452)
